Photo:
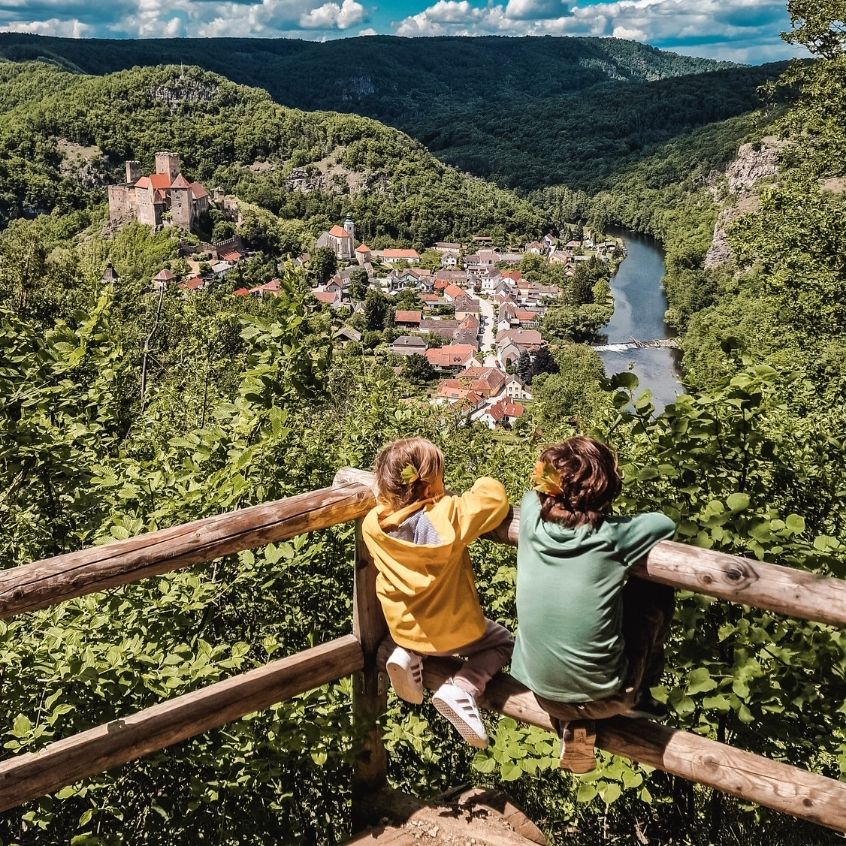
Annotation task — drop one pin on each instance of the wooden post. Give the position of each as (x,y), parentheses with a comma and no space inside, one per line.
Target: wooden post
(370,690)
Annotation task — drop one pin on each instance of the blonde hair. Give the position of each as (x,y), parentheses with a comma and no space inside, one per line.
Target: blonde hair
(392,463)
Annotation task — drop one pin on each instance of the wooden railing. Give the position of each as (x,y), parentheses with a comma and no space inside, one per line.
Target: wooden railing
(43,583)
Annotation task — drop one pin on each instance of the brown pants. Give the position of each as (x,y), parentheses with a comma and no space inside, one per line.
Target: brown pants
(647,614)
(485,657)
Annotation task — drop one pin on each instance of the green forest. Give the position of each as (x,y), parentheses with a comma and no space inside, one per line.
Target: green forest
(248,400)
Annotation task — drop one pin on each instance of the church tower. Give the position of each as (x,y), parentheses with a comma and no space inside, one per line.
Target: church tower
(350,227)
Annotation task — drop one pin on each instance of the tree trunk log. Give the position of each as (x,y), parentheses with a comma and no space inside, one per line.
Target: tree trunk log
(44,583)
(35,774)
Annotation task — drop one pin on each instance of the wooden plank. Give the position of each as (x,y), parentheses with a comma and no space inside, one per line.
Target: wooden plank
(370,696)
(773,587)
(35,774)
(751,777)
(44,583)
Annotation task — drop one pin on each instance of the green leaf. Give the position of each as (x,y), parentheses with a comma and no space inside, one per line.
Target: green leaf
(510,771)
(586,792)
(737,502)
(795,523)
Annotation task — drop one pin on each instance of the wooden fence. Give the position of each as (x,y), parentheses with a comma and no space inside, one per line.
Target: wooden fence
(43,583)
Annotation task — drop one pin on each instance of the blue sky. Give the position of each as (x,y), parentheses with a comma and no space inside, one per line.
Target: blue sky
(740,30)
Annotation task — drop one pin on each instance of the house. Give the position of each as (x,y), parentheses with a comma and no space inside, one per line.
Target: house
(271,288)
(410,319)
(451,357)
(165,196)
(447,277)
(431,300)
(526,339)
(453,293)
(486,381)
(399,255)
(220,269)
(526,318)
(162,279)
(453,392)
(193,283)
(409,345)
(445,329)
(560,257)
(448,247)
(340,239)
(503,413)
(449,260)
(550,241)
(482,260)
(326,297)
(536,248)
(346,335)
(516,389)
(466,306)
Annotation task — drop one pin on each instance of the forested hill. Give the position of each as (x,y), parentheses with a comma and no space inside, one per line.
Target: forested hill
(389,78)
(63,136)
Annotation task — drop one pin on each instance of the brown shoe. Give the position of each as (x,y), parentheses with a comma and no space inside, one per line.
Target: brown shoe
(577,747)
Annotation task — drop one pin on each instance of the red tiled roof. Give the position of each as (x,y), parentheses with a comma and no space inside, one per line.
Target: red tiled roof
(408,317)
(325,297)
(240,292)
(396,252)
(159,180)
(179,182)
(362,248)
(450,355)
(198,191)
(505,408)
(192,284)
(232,255)
(521,337)
(164,276)
(143,182)
(454,291)
(429,298)
(516,275)
(339,232)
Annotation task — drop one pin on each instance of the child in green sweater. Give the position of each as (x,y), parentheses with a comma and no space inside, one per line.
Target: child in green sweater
(588,640)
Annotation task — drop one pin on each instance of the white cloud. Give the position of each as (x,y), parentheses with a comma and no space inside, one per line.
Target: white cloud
(368,31)
(743,30)
(333,16)
(71,28)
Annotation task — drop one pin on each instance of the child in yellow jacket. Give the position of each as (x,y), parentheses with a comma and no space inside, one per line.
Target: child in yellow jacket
(418,538)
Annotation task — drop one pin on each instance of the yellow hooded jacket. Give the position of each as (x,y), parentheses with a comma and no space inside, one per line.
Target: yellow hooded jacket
(428,592)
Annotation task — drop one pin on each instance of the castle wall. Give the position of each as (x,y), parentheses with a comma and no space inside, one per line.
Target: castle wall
(121,203)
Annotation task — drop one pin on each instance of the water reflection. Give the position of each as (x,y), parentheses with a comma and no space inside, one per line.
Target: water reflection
(639,306)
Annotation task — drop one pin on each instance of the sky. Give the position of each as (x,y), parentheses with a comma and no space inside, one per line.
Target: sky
(738,30)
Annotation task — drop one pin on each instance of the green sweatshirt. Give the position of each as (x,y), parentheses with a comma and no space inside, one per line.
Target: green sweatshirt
(569,601)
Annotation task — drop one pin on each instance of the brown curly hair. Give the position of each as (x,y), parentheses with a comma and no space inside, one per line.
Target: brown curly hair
(422,455)
(589,482)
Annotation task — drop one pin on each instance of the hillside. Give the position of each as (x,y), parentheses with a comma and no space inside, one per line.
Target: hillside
(389,78)
(64,135)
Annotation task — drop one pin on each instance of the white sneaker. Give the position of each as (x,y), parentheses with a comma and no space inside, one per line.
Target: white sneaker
(405,670)
(460,708)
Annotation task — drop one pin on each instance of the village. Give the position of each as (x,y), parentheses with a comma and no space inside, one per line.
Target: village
(465,310)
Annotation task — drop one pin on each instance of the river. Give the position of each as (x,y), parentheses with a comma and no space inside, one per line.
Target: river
(639,306)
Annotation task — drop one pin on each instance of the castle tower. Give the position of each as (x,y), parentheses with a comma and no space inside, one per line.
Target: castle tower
(133,171)
(168,163)
(181,206)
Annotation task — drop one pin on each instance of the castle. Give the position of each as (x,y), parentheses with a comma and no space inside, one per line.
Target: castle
(152,199)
